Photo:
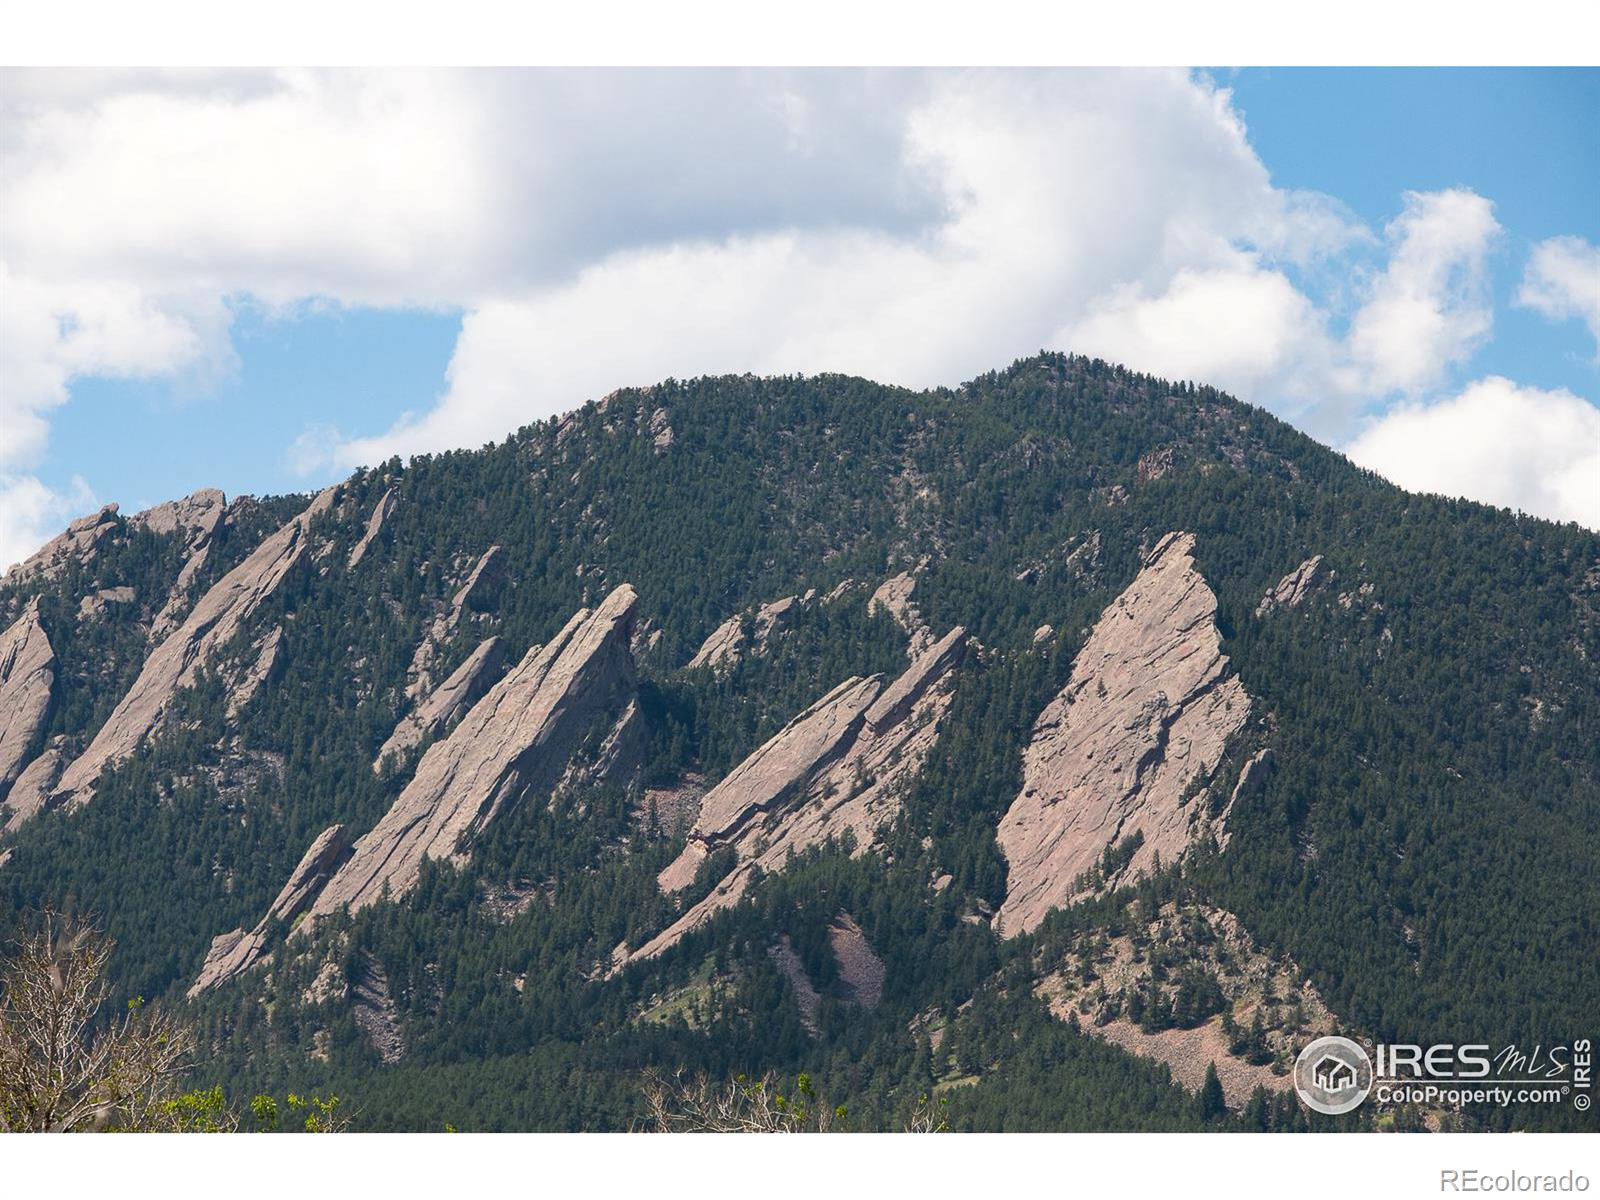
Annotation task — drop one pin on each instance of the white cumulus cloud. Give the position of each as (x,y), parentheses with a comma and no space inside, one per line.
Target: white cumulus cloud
(1430,307)
(1562,281)
(1517,447)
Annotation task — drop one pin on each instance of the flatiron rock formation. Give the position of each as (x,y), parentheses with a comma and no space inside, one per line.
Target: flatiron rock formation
(380,513)
(894,597)
(519,736)
(1147,713)
(31,790)
(1295,586)
(727,641)
(235,952)
(838,767)
(199,517)
(77,543)
(444,706)
(221,613)
(478,593)
(27,673)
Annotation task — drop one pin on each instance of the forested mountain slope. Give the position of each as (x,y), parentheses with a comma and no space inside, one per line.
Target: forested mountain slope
(1352,781)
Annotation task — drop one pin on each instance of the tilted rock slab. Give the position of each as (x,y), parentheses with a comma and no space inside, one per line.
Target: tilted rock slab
(31,791)
(80,541)
(840,766)
(518,737)
(446,703)
(27,673)
(199,516)
(1295,586)
(380,513)
(894,597)
(727,642)
(483,583)
(1148,711)
(236,951)
(174,664)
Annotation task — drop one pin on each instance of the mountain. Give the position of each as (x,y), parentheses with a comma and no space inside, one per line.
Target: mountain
(1032,744)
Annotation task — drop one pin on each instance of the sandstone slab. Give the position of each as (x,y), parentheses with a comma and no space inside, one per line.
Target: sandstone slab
(1147,713)
(516,739)
(220,614)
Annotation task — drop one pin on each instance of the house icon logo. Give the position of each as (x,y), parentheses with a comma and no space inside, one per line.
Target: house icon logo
(1332,1075)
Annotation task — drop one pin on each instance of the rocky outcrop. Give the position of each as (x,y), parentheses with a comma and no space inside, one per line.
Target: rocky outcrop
(1295,586)
(446,704)
(236,951)
(660,431)
(894,597)
(1115,759)
(31,791)
(380,513)
(78,543)
(517,738)
(95,603)
(27,675)
(198,516)
(838,768)
(727,642)
(477,594)
(220,615)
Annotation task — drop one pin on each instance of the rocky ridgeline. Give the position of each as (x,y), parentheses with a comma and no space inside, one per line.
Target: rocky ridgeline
(27,675)
(236,951)
(841,766)
(197,517)
(76,543)
(1115,758)
(217,618)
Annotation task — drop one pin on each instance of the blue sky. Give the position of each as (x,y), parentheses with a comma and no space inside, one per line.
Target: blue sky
(259,280)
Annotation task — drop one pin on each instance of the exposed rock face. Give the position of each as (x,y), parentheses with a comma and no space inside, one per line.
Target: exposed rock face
(478,593)
(660,431)
(894,597)
(27,674)
(1295,586)
(77,543)
(838,767)
(380,513)
(236,951)
(519,736)
(1252,778)
(1099,988)
(727,642)
(96,603)
(31,791)
(200,515)
(221,613)
(445,705)
(1148,711)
